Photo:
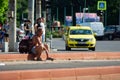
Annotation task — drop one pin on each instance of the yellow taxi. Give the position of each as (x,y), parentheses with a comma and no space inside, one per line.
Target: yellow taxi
(80,37)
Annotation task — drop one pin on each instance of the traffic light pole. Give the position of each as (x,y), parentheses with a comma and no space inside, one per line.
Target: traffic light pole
(102,16)
(119,13)
(105,17)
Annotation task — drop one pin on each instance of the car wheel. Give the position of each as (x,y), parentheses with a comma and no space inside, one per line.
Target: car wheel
(93,49)
(68,48)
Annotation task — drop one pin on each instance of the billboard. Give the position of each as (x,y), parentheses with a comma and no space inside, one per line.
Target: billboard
(79,18)
(86,17)
(90,17)
(68,20)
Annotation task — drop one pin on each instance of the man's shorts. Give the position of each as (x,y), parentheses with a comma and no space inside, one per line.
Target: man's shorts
(33,50)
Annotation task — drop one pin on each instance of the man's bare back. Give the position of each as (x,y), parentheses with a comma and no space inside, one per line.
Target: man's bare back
(38,46)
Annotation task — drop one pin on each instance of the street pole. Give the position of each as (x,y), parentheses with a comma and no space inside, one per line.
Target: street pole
(119,13)
(31,13)
(72,13)
(106,18)
(85,4)
(84,9)
(83,14)
(57,13)
(102,16)
(12,24)
(80,8)
(38,8)
(64,15)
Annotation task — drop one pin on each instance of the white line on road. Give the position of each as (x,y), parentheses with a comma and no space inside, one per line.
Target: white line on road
(2,64)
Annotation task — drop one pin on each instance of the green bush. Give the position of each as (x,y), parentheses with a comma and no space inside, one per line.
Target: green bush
(48,33)
(55,34)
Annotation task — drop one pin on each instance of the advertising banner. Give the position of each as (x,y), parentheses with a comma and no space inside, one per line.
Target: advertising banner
(68,20)
(79,18)
(90,17)
(87,17)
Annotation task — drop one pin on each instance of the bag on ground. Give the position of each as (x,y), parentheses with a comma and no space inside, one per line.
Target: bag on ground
(25,46)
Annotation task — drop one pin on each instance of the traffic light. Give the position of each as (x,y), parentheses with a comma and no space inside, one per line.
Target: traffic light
(48,4)
(100,13)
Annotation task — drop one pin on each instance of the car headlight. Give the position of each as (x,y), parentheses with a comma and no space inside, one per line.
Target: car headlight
(91,39)
(71,39)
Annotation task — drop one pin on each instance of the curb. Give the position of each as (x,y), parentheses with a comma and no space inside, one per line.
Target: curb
(64,56)
(91,73)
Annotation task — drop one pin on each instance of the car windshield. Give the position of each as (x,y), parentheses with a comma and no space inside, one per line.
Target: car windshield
(80,31)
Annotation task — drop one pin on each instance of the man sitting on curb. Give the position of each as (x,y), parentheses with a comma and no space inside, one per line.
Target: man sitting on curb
(38,46)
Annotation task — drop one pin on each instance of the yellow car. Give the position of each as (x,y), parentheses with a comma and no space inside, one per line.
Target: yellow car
(80,37)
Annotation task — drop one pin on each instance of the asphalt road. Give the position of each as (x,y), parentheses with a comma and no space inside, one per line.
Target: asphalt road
(102,45)
(58,44)
(33,65)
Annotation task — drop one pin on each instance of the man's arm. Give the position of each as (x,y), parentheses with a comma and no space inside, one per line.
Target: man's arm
(39,41)
(35,27)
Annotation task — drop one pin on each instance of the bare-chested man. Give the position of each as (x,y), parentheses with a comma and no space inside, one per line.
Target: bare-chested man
(38,46)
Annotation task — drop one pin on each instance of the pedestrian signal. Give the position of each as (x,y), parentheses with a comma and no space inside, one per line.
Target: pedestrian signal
(101,5)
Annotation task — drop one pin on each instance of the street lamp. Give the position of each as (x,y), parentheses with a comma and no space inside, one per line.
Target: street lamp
(84,9)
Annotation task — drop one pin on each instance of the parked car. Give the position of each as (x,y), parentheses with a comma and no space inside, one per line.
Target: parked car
(80,37)
(19,34)
(112,32)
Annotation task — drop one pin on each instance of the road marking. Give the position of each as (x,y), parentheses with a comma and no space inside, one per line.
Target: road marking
(2,64)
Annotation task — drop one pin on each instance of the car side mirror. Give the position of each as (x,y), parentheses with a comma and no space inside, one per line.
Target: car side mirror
(95,34)
(66,34)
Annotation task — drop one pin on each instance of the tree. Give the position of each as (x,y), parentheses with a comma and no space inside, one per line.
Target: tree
(22,10)
(3,10)
(113,7)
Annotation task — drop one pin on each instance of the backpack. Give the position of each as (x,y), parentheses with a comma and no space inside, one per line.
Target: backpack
(25,46)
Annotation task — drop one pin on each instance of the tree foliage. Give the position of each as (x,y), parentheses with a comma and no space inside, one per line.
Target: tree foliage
(3,10)
(113,7)
(22,10)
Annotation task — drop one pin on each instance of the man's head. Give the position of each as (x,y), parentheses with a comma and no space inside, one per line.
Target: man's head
(42,19)
(39,20)
(39,32)
(27,21)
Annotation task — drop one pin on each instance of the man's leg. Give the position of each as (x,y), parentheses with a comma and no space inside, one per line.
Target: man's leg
(46,48)
(38,52)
